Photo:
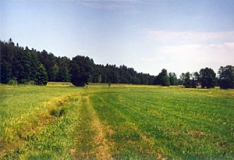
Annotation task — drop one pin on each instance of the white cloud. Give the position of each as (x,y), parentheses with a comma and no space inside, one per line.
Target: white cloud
(188,51)
(188,37)
(193,57)
(109,4)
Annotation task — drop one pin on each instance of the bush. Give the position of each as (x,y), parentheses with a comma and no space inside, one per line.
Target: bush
(13,82)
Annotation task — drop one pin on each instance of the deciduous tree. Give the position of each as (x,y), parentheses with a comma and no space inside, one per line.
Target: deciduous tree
(207,78)
(187,80)
(226,77)
(81,68)
(162,78)
(173,78)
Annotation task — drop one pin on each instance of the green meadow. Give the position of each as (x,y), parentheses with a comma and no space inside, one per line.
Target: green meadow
(59,121)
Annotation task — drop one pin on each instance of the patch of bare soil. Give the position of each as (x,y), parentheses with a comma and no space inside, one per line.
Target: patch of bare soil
(200,133)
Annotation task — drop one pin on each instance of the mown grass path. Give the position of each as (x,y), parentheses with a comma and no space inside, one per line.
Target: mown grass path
(90,140)
(98,138)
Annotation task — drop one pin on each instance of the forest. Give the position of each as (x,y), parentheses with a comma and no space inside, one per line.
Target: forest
(21,65)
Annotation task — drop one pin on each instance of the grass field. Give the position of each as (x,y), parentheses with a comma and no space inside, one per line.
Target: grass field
(59,121)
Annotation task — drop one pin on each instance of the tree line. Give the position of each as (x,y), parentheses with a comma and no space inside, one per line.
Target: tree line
(24,65)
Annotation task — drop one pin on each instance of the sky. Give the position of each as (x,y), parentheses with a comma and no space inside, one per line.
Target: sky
(147,35)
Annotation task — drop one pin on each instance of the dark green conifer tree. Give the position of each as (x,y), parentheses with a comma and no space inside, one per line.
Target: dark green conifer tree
(41,76)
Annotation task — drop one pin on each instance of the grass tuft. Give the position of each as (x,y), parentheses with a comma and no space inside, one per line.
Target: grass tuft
(57,112)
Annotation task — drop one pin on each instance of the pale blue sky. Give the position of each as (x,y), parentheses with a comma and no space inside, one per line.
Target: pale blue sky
(149,35)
